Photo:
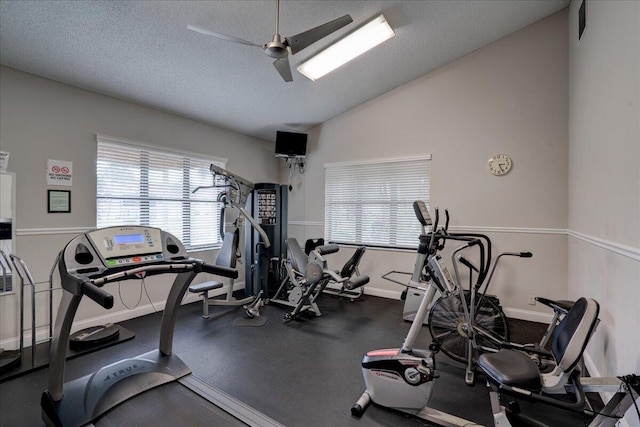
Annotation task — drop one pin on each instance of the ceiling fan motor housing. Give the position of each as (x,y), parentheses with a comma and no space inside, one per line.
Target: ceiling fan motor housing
(275,48)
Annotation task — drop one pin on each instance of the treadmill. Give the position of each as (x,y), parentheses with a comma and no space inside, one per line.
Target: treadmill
(155,388)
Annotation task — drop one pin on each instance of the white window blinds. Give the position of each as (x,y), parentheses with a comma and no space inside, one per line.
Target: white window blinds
(372,203)
(141,185)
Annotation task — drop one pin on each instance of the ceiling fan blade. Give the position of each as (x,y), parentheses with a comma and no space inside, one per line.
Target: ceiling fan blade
(222,36)
(283,67)
(304,39)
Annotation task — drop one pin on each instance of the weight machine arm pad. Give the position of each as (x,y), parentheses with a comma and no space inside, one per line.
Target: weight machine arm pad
(327,249)
(357,282)
(220,271)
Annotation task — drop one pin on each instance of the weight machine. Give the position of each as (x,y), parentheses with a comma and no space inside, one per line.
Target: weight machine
(268,204)
(235,196)
(298,292)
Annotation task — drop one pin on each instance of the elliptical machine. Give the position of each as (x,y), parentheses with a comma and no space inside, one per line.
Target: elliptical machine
(401,378)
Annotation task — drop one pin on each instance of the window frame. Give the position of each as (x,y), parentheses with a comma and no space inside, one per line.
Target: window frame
(145,211)
(400,211)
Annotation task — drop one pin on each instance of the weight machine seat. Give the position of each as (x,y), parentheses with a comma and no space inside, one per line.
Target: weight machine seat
(205,286)
(227,257)
(298,258)
(570,338)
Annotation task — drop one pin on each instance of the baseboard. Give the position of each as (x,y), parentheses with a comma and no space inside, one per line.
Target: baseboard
(111,317)
(383,293)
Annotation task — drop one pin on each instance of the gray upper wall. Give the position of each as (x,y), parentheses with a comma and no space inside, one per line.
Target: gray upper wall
(509,97)
(604,179)
(41,119)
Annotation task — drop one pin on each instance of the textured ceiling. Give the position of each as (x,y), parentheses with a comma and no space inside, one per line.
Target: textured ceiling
(141,51)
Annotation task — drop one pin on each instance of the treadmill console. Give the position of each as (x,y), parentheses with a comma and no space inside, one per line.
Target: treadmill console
(127,245)
(112,249)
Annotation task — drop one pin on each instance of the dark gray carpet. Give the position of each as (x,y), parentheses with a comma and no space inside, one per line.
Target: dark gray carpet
(302,373)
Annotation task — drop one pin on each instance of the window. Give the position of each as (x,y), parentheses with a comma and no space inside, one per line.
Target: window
(143,185)
(371,203)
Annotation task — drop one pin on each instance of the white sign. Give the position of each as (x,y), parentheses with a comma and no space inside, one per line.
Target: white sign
(59,172)
(4,160)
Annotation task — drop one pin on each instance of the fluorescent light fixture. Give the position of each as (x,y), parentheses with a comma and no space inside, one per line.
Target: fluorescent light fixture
(344,50)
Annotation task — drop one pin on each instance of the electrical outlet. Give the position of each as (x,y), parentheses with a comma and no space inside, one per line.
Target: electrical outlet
(532,300)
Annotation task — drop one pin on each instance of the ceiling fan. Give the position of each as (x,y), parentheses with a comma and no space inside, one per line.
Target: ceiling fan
(278,48)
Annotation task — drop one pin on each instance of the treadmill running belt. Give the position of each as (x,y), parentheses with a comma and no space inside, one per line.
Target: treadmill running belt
(171,404)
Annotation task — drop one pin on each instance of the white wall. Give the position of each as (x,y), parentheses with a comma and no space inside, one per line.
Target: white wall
(567,113)
(604,177)
(41,119)
(509,97)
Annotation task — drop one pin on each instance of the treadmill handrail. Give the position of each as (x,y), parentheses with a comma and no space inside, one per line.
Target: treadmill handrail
(91,287)
(166,268)
(127,274)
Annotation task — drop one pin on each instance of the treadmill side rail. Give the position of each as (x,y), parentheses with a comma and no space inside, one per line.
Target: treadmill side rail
(227,403)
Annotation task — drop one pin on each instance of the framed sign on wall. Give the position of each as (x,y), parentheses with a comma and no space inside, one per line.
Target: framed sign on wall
(58,201)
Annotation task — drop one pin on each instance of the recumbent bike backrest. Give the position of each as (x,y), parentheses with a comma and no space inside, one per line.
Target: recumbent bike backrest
(571,336)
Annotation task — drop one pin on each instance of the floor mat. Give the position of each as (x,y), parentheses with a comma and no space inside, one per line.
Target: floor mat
(255,322)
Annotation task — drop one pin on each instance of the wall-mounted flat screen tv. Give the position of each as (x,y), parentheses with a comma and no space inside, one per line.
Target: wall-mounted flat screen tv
(291,144)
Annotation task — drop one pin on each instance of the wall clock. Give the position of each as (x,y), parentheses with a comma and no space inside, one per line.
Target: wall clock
(500,164)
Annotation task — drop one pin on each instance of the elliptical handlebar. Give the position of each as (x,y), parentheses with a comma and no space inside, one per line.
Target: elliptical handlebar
(468,264)
(434,231)
(438,237)
(485,257)
(495,264)
(483,265)
(446,224)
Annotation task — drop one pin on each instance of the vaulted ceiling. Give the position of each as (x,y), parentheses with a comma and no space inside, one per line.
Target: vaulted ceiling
(141,51)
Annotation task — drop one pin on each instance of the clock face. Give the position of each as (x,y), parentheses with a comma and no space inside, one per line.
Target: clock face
(499,164)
